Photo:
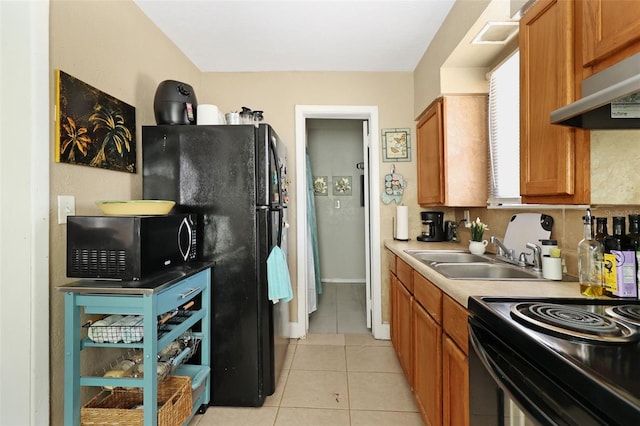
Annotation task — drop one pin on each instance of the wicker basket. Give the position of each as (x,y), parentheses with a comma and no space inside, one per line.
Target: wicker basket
(117,407)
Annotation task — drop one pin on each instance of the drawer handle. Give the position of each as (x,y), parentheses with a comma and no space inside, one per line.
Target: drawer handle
(189,293)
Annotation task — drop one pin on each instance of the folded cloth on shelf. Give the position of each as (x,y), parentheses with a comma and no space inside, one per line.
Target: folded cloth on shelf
(133,331)
(128,329)
(278,279)
(98,331)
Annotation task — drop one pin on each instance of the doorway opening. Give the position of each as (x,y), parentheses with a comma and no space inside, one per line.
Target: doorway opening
(336,162)
(370,149)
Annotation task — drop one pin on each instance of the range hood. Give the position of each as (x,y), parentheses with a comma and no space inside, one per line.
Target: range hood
(611,99)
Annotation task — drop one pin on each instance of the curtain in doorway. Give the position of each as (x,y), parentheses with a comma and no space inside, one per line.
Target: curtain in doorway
(314,284)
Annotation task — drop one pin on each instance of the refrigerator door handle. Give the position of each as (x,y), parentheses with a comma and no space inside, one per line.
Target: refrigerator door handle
(280,225)
(277,178)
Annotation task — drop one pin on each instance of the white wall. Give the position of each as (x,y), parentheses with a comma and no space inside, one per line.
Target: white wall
(24,215)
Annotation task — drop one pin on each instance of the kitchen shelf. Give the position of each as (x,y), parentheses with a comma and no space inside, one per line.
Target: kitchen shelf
(151,298)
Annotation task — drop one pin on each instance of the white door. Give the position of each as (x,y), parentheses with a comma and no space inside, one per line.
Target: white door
(367,221)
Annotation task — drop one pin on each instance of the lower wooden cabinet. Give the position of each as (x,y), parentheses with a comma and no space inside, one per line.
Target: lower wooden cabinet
(393,314)
(455,393)
(404,301)
(429,335)
(455,363)
(427,374)
(393,308)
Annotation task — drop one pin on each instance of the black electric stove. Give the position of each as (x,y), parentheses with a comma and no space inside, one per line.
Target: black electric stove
(563,361)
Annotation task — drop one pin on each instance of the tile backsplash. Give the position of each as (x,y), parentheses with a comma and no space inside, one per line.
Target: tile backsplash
(567,226)
(615,161)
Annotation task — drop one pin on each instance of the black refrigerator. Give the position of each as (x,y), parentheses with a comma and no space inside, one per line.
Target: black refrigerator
(233,177)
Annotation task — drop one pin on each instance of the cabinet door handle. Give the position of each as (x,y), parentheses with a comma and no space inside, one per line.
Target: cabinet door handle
(189,293)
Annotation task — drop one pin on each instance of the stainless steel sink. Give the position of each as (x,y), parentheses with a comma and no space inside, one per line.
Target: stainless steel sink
(485,271)
(462,265)
(446,256)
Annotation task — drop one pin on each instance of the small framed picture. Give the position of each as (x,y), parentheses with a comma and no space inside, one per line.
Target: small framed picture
(320,185)
(396,145)
(342,185)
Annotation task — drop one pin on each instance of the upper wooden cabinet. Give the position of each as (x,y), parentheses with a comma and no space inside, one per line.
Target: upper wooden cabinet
(452,152)
(609,28)
(554,160)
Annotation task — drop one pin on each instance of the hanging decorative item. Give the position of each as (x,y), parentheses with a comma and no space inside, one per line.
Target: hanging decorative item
(394,185)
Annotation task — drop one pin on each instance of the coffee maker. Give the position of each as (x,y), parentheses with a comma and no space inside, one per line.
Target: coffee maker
(432,227)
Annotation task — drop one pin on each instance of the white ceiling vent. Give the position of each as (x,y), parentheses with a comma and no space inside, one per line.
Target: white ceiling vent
(496,32)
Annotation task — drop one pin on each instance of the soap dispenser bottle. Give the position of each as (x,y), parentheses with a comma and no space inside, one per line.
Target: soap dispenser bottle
(590,256)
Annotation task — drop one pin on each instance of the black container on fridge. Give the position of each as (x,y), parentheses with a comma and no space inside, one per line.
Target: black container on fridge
(175,103)
(231,177)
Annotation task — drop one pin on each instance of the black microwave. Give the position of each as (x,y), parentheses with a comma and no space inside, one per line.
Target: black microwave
(128,247)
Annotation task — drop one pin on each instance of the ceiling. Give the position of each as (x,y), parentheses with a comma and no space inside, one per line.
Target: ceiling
(300,35)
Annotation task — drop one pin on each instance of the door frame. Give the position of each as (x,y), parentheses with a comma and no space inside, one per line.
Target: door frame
(25,138)
(370,113)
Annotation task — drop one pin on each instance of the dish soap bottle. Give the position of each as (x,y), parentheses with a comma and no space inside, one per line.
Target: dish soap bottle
(590,255)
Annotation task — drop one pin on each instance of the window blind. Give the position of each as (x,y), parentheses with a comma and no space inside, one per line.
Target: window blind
(504,133)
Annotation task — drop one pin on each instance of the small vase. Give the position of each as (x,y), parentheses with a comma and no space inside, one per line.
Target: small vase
(477,247)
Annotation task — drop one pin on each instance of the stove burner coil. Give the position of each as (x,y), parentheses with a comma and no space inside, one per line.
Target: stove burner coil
(629,313)
(568,321)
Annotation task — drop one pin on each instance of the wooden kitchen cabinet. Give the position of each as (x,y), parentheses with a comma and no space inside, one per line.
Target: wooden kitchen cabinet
(452,152)
(610,30)
(455,363)
(393,308)
(454,320)
(402,323)
(554,160)
(404,303)
(455,366)
(427,332)
(436,346)
(393,314)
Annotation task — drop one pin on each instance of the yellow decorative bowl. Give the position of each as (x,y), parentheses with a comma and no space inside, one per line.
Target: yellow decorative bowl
(135,207)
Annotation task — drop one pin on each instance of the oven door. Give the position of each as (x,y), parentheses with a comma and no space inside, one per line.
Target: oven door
(506,388)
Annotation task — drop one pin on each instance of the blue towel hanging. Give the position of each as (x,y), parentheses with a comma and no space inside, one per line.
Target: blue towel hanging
(278,279)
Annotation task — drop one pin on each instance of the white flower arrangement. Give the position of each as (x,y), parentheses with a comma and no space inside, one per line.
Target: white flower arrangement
(477,229)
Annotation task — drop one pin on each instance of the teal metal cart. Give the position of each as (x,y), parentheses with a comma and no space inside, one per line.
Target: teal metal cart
(151,297)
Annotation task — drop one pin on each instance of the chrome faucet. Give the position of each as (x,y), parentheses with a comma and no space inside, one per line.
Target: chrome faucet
(537,256)
(503,251)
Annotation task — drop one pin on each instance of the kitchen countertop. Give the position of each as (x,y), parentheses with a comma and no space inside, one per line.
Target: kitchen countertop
(460,290)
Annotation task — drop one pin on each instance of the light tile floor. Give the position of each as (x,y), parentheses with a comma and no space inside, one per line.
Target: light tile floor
(339,375)
(331,379)
(341,309)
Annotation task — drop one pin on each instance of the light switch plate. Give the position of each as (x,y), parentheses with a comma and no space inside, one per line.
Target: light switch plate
(66,207)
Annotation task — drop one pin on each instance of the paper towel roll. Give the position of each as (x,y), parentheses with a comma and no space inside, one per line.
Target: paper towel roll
(402,223)
(208,114)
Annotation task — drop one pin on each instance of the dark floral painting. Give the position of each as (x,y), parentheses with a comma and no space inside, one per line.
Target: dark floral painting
(93,128)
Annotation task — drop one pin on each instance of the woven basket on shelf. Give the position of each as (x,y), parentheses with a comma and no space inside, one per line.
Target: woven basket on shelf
(117,407)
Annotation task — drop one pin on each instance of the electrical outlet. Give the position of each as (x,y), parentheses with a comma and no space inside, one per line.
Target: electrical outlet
(66,207)
(466,216)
